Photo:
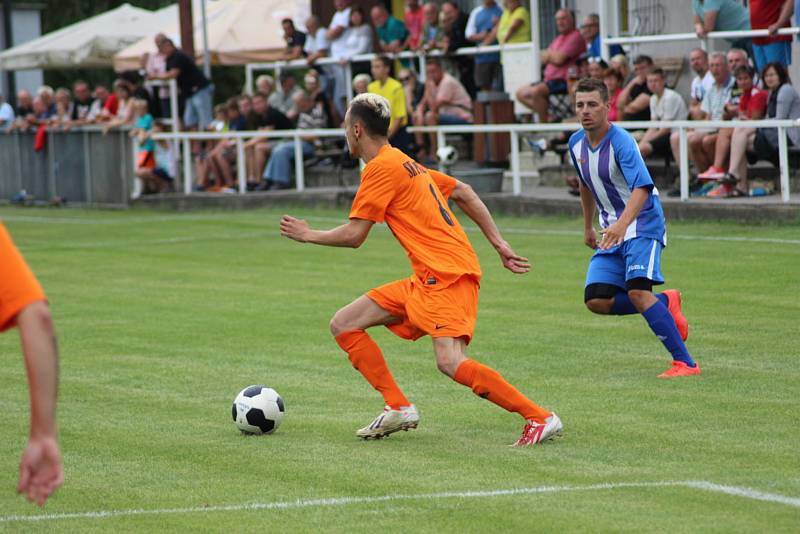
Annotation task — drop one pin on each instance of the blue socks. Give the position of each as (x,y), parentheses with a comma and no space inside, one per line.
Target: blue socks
(663,326)
(624,306)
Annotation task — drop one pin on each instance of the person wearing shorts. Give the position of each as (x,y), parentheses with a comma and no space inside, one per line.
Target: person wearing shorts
(440,299)
(23,304)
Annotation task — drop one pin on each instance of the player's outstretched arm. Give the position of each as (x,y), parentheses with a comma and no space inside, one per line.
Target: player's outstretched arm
(352,234)
(471,204)
(40,471)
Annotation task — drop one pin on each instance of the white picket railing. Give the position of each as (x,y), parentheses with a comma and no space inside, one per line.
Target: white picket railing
(513,129)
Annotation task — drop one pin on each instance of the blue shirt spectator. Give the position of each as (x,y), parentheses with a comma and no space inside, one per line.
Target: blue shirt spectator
(479,25)
(590,31)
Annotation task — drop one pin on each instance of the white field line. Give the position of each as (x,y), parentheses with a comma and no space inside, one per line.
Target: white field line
(746,493)
(273,223)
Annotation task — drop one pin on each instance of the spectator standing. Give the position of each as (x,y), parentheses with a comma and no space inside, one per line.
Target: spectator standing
(124,113)
(64,106)
(295,40)
(317,47)
(283,98)
(414,18)
(721,15)
(312,116)
(772,15)
(432,34)
(558,59)
(454,27)
(105,104)
(701,83)
(633,103)
(391,90)
(480,26)
(145,152)
(196,89)
(392,33)
(157,64)
(47,96)
(752,106)
(24,103)
(702,141)
(82,109)
(665,105)
(355,39)
(445,102)
(6,114)
(590,31)
(514,25)
(338,49)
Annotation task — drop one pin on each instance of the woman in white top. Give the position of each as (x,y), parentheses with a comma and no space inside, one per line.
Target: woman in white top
(356,39)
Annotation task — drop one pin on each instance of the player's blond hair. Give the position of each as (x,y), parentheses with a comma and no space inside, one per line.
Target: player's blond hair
(373,111)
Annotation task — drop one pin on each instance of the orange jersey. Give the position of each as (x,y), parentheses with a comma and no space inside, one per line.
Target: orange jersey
(18,286)
(412,200)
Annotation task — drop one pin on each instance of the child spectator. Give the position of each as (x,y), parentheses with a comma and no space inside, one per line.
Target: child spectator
(143,125)
(160,176)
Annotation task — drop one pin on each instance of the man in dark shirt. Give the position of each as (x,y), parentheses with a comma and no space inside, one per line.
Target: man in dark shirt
(633,103)
(83,102)
(195,88)
(24,103)
(454,24)
(295,40)
(257,149)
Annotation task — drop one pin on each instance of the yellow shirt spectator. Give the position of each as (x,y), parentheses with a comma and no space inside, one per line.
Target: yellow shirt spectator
(392,91)
(522,34)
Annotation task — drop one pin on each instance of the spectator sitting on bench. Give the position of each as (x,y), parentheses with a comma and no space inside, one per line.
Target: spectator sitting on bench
(702,82)
(633,103)
(558,59)
(445,102)
(783,103)
(312,116)
(665,105)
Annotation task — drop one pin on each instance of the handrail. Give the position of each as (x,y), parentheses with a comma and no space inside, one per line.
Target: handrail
(690,36)
(514,130)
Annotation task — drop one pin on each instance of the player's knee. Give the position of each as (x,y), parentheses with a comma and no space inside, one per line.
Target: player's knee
(599,306)
(447,364)
(337,324)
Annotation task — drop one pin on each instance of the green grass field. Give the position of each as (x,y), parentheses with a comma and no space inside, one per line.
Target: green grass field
(164,317)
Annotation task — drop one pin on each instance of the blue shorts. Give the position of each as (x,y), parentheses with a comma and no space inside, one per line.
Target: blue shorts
(448,119)
(639,257)
(780,51)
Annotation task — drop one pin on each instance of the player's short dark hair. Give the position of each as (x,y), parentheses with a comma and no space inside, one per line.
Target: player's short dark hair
(658,71)
(385,60)
(588,85)
(288,21)
(642,58)
(373,112)
(744,69)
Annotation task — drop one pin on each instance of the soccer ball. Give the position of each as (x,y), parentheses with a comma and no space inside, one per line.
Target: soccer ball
(447,155)
(257,410)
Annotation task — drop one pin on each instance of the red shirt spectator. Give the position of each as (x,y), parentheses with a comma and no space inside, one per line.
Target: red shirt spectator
(753,101)
(415,20)
(763,13)
(111,104)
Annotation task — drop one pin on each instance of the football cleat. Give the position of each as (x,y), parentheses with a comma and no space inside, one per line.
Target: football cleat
(390,421)
(680,369)
(534,432)
(674,307)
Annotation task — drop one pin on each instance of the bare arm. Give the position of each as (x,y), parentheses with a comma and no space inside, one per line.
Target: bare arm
(783,18)
(471,204)
(587,206)
(41,471)
(516,25)
(638,104)
(351,234)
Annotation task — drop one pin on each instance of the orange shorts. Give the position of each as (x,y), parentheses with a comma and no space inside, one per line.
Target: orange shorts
(448,312)
(18,286)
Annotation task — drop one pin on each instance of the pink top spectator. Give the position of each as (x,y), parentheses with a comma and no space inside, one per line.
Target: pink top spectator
(451,97)
(571,44)
(612,104)
(415,20)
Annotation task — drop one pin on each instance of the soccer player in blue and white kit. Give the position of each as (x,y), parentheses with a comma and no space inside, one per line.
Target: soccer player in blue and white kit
(627,260)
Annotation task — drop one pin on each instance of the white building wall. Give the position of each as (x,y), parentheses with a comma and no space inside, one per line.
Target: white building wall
(26,26)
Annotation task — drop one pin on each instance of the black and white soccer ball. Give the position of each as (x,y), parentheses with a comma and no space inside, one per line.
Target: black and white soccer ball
(257,410)
(447,155)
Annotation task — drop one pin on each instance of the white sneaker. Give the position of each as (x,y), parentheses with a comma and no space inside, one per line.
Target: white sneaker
(534,432)
(390,421)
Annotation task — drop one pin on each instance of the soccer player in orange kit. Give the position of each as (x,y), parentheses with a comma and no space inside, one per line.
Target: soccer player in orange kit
(441,298)
(23,304)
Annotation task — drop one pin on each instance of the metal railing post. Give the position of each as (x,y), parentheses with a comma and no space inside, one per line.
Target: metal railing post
(440,142)
(173,105)
(422,63)
(783,161)
(299,169)
(516,179)
(241,167)
(248,79)
(684,150)
(348,80)
(187,166)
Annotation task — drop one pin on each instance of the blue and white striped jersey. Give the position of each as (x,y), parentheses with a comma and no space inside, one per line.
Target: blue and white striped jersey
(611,171)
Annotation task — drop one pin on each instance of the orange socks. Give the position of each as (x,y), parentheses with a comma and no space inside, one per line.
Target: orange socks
(367,358)
(489,384)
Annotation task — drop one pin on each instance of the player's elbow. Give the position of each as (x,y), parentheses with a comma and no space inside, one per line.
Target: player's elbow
(355,240)
(463,192)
